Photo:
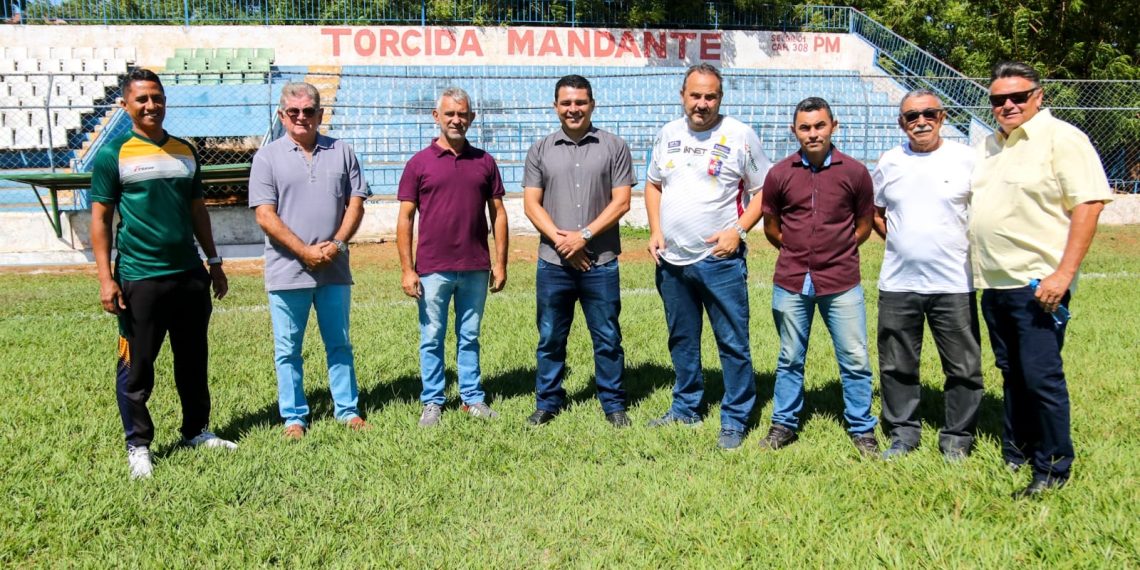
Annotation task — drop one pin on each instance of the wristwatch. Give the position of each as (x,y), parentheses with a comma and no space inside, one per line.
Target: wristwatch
(341,247)
(216,260)
(740,230)
(587,234)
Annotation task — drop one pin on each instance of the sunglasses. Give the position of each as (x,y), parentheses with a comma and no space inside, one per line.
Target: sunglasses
(928,114)
(1018,98)
(307,112)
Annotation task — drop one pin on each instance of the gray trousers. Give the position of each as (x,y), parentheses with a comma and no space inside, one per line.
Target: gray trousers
(953,320)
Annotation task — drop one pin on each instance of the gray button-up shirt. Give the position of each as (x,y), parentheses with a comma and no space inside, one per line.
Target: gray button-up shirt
(311,196)
(577,182)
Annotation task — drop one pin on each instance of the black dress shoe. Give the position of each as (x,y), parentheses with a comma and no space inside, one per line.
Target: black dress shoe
(540,417)
(618,419)
(1040,485)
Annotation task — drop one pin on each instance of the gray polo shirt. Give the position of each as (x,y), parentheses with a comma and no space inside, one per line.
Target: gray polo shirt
(311,197)
(577,182)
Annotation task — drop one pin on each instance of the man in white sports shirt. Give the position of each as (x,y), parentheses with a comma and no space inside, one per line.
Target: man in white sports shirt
(922,199)
(700,196)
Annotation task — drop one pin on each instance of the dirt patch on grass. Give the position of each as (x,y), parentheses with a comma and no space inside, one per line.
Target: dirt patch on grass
(384,254)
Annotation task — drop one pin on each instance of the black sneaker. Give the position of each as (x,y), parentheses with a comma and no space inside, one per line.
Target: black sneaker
(730,439)
(897,449)
(540,417)
(1040,484)
(866,444)
(778,437)
(618,419)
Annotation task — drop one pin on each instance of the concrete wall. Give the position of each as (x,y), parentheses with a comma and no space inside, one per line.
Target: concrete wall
(26,238)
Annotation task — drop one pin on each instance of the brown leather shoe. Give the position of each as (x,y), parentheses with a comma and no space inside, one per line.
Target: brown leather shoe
(294,432)
(867,445)
(778,437)
(357,423)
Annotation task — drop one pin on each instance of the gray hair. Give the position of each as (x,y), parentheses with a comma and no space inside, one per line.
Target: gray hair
(300,89)
(704,68)
(455,94)
(919,93)
(1004,69)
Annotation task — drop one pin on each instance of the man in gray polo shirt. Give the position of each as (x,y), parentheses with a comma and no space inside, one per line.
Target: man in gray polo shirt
(309,194)
(577,186)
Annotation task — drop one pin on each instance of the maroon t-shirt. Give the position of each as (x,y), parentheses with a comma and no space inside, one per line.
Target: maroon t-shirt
(817,211)
(451,193)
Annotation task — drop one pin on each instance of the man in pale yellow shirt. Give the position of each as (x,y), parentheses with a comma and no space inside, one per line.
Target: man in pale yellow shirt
(1039,188)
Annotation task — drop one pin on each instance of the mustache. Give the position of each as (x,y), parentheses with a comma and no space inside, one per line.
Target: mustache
(919,129)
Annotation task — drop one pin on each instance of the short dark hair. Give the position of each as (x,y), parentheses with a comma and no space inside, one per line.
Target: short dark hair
(1004,69)
(141,74)
(704,68)
(574,82)
(812,104)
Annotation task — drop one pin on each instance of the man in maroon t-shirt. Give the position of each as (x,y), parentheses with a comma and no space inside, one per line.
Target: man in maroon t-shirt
(453,186)
(818,207)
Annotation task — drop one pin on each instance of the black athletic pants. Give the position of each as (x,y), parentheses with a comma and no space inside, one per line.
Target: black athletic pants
(178,304)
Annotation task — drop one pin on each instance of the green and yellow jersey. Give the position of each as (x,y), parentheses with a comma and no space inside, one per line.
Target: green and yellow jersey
(152,184)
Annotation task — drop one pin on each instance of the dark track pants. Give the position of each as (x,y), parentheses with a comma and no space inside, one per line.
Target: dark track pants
(1027,349)
(179,304)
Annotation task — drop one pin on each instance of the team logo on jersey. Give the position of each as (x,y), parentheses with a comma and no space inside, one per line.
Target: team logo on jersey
(715,165)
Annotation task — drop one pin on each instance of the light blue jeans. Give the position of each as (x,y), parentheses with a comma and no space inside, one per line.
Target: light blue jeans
(469,288)
(289,313)
(846,320)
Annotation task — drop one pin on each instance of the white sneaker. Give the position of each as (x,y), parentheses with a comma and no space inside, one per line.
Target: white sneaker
(208,439)
(140,460)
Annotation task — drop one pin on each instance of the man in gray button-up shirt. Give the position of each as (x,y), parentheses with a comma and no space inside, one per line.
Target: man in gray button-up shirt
(308,194)
(577,186)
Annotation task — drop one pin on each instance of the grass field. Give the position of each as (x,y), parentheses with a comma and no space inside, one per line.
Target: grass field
(575,493)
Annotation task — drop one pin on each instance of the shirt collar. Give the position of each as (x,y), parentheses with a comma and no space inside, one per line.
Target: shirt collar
(440,151)
(323,143)
(560,136)
(1031,128)
(827,160)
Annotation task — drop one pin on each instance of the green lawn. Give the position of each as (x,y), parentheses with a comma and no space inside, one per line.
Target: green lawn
(575,493)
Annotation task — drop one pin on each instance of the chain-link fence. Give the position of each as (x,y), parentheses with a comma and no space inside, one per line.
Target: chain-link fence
(57,122)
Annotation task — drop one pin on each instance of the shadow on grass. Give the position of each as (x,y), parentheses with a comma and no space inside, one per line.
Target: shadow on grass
(828,400)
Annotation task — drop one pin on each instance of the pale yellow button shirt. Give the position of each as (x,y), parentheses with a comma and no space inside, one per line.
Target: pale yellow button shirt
(1025,188)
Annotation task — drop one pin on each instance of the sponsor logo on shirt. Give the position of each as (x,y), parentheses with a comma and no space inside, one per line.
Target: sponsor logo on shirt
(752,167)
(695,150)
(674,144)
(715,165)
(721,150)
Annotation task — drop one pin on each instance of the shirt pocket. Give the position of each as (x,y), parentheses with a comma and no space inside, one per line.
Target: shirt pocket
(335,183)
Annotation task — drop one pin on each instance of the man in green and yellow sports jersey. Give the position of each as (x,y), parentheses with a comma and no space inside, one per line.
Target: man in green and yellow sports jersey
(157,284)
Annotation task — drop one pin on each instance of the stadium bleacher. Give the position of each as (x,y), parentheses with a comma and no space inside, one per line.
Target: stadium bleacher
(385,111)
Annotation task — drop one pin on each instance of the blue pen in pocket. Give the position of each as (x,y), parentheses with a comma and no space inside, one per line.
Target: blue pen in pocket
(1061,315)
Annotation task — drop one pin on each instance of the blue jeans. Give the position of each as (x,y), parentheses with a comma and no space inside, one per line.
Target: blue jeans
(846,320)
(719,286)
(469,288)
(289,313)
(1027,349)
(557,288)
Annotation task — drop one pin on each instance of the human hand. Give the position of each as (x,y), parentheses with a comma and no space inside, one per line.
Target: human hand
(579,261)
(1051,290)
(726,242)
(219,281)
(498,278)
(410,283)
(569,243)
(111,296)
(656,245)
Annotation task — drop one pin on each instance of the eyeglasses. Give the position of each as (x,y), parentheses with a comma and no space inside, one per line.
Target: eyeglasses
(308,112)
(928,114)
(1018,98)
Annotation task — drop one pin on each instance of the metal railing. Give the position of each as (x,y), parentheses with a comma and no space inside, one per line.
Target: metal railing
(606,13)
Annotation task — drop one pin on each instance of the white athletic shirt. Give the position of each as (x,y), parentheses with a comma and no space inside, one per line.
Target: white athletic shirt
(707,179)
(927,197)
